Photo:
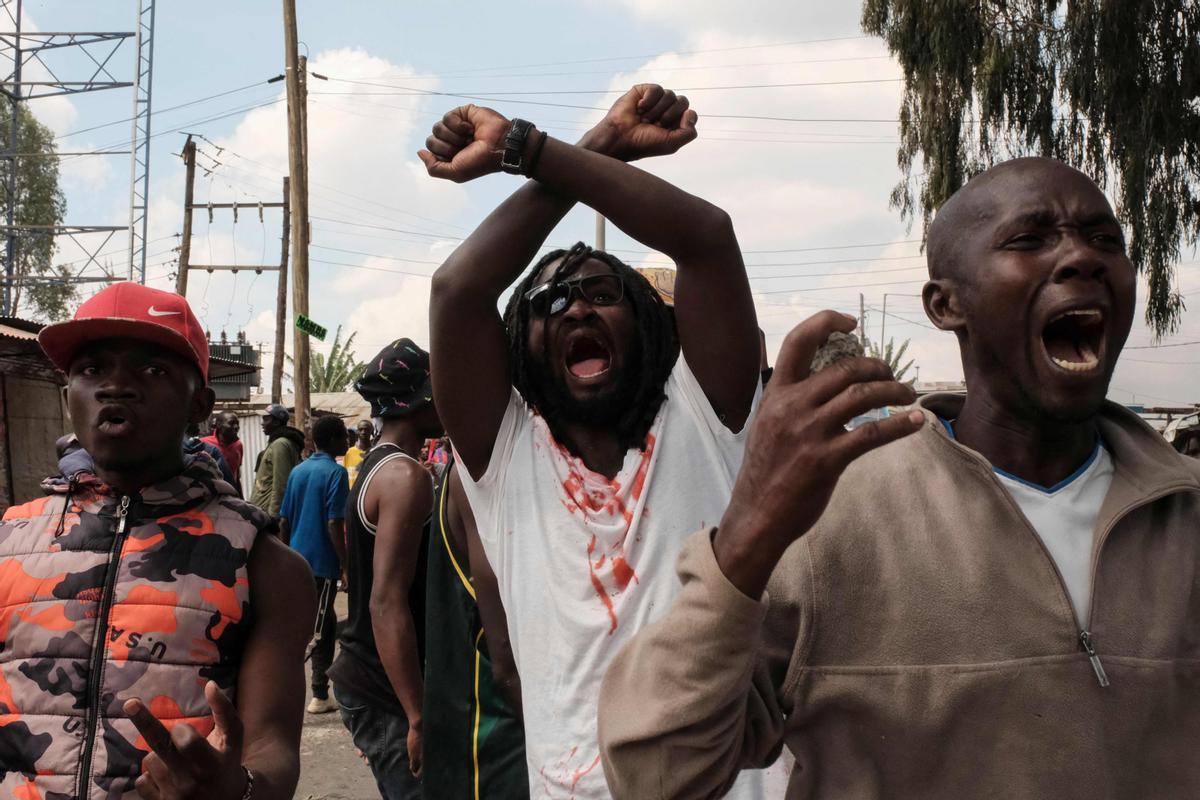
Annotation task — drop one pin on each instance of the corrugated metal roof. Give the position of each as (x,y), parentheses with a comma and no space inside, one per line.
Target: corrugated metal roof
(12,328)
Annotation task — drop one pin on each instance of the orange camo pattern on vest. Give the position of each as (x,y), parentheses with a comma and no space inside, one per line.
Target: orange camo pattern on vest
(178,617)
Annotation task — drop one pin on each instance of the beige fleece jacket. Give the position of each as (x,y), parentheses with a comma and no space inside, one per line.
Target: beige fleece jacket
(918,642)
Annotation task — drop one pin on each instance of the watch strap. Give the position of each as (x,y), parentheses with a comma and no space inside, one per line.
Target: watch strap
(512,161)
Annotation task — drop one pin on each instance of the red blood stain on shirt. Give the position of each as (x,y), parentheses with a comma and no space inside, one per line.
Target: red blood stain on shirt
(639,480)
(579,773)
(622,572)
(565,775)
(598,585)
(599,501)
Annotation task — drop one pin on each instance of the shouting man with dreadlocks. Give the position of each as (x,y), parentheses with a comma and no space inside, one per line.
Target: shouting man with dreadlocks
(590,436)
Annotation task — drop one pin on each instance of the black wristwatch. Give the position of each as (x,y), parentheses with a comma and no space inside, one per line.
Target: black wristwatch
(512,161)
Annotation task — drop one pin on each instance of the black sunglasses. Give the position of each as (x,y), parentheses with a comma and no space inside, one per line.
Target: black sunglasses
(554,297)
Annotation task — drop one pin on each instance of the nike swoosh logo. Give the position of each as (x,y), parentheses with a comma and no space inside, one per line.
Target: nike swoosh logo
(154,312)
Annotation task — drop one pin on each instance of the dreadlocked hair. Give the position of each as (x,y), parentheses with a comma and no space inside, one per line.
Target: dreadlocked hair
(658,345)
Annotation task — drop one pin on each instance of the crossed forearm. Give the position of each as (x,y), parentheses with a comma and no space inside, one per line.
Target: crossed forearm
(506,242)
(652,211)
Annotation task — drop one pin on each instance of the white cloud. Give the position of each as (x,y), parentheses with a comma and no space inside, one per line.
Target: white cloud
(752,16)
(404,312)
(361,174)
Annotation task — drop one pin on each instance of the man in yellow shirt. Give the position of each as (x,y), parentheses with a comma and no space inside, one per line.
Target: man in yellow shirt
(355,455)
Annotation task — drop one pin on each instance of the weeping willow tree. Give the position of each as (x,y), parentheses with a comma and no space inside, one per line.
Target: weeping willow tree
(1109,86)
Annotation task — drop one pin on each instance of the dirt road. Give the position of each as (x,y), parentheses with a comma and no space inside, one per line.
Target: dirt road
(329,767)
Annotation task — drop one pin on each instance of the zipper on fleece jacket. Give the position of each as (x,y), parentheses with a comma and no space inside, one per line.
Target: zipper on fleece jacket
(92,714)
(1085,641)
(1085,637)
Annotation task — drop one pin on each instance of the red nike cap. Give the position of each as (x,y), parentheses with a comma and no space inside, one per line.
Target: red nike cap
(129,311)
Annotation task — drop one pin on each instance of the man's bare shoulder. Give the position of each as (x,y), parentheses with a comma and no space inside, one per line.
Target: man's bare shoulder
(277,566)
(399,474)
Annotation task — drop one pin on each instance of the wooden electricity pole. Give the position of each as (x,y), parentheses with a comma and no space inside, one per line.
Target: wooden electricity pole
(185,245)
(186,265)
(281,316)
(299,204)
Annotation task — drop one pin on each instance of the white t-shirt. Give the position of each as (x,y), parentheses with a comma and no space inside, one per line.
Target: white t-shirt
(583,563)
(1064,516)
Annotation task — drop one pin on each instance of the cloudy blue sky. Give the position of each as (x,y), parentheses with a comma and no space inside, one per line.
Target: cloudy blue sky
(808,194)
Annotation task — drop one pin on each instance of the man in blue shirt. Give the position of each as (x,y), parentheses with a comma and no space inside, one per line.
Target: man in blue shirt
(312,520)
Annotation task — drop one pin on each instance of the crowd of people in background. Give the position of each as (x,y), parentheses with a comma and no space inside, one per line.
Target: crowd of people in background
(594,546)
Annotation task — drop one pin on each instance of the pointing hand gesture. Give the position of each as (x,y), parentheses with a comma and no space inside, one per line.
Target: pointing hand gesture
(799,447)
(182,764)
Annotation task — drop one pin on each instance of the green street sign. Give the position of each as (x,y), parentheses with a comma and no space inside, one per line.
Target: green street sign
(306,325)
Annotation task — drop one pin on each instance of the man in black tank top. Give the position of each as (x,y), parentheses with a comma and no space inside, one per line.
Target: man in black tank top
(473,722)
(377,676)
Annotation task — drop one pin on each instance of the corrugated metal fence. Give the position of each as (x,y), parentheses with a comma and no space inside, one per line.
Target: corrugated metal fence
(254,441)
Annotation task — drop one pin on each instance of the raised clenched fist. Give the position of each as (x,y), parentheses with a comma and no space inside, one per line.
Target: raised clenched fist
(648,120)
(466,143)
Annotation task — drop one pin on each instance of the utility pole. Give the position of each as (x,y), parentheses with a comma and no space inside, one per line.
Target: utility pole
(281,317)
(185,244)
(599,231)
(883,323)
(185,253)
(862,317)
(298,169)
(303,78)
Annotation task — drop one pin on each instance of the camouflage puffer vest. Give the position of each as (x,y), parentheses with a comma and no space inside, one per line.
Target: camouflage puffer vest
(106,598)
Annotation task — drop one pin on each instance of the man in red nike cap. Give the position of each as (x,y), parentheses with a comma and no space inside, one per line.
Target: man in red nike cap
(153,635)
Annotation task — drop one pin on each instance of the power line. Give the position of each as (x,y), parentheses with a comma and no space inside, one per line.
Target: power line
(459,74)
(903,319)
(371,269)
(856,120)
(409,90)
(1164,363)
(163,110)
(859,139)
(1153,397)
(348,194)
(811,249)
(670,52)
(839,288)
(199,122)
(385,228)
(1159,346)
(575,124)
(375,255)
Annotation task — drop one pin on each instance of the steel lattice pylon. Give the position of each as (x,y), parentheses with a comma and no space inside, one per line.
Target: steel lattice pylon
(101,47)
(139,172)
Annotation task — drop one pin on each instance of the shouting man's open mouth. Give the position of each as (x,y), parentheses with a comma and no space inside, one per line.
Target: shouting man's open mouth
(587,355)
(1074,340)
